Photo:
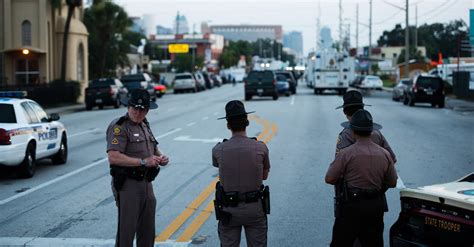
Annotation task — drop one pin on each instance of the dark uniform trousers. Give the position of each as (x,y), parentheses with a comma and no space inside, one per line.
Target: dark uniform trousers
(362,220)
(255,227)
(136,205)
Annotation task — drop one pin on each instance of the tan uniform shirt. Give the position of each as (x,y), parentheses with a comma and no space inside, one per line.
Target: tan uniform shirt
(364,165)
(345,139)
(241,162)
(131,139)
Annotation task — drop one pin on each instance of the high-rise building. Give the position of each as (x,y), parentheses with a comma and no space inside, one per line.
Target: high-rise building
(149,24)
(137,25)
(249,32)
(294,41)
(180,25)
(326,39)
(160,30)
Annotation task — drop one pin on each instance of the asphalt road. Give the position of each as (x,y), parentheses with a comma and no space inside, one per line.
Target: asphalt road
(73,203)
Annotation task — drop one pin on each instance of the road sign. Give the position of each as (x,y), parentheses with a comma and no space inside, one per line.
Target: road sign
(178,48)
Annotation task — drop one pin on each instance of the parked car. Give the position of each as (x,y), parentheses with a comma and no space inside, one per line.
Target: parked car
(160,90)
(399,89)
(290,78)
(261,83)
(184,82)
(371,82)
(28,134)
(200,81)
(436,215)
(207,79)
(427,89)
(104,92)
(217,80)
(283,86)
(142,80)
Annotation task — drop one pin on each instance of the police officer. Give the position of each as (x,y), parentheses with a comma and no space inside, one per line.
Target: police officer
(134,162)
(243,163)
(352,103)
(365,169)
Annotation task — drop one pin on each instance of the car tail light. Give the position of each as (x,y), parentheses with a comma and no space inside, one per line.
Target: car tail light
(111,92)
(5,137)
(274,82)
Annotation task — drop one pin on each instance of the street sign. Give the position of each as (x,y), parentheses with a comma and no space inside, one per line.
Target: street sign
(178,48)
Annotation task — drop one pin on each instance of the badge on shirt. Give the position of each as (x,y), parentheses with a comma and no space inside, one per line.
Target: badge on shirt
(136,135)
(115,141)
(116,131)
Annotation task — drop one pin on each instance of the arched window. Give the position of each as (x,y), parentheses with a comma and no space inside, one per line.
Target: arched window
(80,62)
(26,33)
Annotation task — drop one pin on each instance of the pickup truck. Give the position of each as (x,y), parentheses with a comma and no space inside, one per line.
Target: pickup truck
(142,80)
(103,92)
(261,83)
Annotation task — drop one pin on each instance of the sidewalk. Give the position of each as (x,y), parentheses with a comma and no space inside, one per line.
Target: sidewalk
(451,103)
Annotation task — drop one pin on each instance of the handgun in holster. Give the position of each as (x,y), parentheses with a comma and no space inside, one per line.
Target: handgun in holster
(119,175)
(152,173)
(265,192)
(221,215)
(341,197)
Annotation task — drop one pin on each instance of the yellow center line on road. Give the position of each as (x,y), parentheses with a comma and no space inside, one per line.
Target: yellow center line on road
(187,212)
(204,215)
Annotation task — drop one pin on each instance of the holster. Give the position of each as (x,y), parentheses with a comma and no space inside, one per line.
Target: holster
(265,197)
(341,197)
(221,215)
(152,173)
(119,174)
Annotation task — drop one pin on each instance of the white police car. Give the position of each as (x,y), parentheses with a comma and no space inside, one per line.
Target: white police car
(28,134)
(436,215)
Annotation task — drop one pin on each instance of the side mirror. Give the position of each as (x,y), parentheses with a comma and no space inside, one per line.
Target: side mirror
(53,117)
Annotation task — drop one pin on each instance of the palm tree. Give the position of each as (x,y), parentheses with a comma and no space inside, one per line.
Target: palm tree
(72,4)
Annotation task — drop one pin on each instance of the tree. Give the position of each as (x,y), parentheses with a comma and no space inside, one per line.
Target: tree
(414,54)
(107,24)
(436,37)
(184,62)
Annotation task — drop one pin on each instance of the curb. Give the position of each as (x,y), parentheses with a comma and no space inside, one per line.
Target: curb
(66,109)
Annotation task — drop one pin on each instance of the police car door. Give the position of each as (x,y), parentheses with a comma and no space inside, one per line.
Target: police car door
(49,136)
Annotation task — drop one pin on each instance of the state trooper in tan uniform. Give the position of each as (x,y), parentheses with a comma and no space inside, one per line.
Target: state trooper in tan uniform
(365,170)
(241,199)
(134,163)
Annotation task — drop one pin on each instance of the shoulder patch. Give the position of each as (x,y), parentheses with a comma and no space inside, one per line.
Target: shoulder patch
(117,130)
(115,141)
(121,120)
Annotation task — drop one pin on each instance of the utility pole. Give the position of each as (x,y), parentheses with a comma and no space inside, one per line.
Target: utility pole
(370,38)
(340,26)
(416,28)
(407,42)
(357,29)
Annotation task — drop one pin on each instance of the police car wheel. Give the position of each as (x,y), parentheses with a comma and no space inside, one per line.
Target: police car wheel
(61,156)
(28,166)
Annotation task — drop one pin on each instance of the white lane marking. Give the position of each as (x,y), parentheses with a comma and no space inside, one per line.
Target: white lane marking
(189,139)
(400,184)
(169,133)
(51,181)
(191,124)
(95,130)
(293,100)
(31,241)
(205,118)
(171,109)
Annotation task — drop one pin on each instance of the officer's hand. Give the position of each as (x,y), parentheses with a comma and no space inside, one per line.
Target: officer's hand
(152,161)
(164,160)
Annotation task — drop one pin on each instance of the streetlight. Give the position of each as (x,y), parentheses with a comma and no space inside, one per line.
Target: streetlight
(25,51)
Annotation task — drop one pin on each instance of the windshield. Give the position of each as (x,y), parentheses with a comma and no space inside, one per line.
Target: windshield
(178,77)
(433,82)
(101,83)
(256,76)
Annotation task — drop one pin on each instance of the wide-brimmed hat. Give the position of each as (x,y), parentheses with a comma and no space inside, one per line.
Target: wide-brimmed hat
(361,120)
(235,108)
(139,98)
(352,98)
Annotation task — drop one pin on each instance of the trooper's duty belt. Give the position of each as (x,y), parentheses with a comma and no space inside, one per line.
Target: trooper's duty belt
(120,173)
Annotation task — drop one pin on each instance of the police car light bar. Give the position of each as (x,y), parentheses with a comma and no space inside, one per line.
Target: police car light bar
(13,94)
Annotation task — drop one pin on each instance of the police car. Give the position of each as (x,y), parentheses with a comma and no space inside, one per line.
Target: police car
(28,134)
(436,215)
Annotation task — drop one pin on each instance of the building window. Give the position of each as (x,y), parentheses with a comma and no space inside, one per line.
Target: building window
(80,63)
(27,71)
(394,55)
(383,55)
(26,33)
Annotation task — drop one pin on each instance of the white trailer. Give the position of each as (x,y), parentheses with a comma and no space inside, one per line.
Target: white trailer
(331,70)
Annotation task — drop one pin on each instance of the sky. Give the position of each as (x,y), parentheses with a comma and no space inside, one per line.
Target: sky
(301,15)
